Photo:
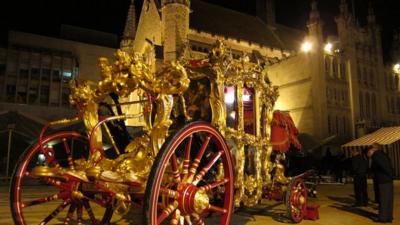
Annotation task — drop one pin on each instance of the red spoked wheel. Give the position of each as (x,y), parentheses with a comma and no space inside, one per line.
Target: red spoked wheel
(41,194)
(191,181)
(296,200)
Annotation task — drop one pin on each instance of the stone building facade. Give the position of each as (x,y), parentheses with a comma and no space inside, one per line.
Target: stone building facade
(35,71)
(34,75)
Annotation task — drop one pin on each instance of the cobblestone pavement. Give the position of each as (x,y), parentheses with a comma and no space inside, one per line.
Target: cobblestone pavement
(335,209)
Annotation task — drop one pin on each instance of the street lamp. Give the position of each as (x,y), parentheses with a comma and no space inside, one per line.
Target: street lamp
(328,48)
(306,46)
(396,68)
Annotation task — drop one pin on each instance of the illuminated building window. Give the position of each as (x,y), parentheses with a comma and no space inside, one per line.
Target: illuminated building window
(21,94)
(35,74)
(46,74)
(335,94)
(56,75)
(2,69)
(23,74)
(344,125)
(44,95)
(359,75)
(343,96)
(327,65)
(365,77)
(32,95)
(343,70)
(67,74)
(335,67)
(337,125)
(373,103)
(388,104)
(328,93)
(398,105)
(65,96)
(329,125)
(393,104)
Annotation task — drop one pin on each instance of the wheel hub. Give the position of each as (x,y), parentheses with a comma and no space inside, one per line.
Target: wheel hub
(192,199)
(298,199)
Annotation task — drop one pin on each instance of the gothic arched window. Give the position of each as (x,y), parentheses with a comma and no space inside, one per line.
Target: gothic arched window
(327,65)
(367,105)
(398,105)
(373,103)
(361,102)
(329,125)
(335,67)
(343,70)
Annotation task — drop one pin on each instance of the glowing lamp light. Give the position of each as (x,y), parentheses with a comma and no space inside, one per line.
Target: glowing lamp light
(396,68)
(328,47)
(230,97)
(246,97)
(306,47)
(232,114)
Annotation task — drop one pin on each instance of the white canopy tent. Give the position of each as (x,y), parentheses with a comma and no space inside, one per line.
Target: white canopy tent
(388,137)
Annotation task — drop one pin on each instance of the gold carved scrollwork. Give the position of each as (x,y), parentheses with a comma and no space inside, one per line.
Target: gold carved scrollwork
(242,73)
(126,74)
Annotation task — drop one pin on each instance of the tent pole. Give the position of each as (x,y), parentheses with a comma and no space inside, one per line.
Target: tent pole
(8,150)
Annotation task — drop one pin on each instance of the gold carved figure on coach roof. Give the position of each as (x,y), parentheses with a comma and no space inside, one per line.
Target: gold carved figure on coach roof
(125,75)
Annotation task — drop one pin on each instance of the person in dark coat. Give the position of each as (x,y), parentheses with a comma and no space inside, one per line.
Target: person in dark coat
(383,173)
(360,169)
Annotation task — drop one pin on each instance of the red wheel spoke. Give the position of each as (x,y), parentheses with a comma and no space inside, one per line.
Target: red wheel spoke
(55,213)
(175,217)
(214,185)
(69,156)
(197,219)
(41,200)
(186,160)
(53,182)
(167,212)
(48,180)
(169,193)
(175,169)
(69,214)
(90,212)
(217,209)
(79,212)
(203,172)
(199,155)
(204,167)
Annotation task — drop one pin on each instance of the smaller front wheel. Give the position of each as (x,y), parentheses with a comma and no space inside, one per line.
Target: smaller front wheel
(191,181)
(296,200)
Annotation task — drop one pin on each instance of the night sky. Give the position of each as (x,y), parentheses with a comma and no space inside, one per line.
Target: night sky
(45,16)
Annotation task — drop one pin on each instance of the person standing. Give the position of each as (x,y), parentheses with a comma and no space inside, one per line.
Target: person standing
(383,173)
(360,169)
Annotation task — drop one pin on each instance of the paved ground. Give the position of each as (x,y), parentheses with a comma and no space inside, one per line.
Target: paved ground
(335,209)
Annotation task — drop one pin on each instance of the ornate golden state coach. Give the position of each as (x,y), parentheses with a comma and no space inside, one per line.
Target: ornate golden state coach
(210,141)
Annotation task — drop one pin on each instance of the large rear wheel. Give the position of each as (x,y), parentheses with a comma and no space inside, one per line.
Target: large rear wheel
(41,194)
(296,200)
(191,181)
